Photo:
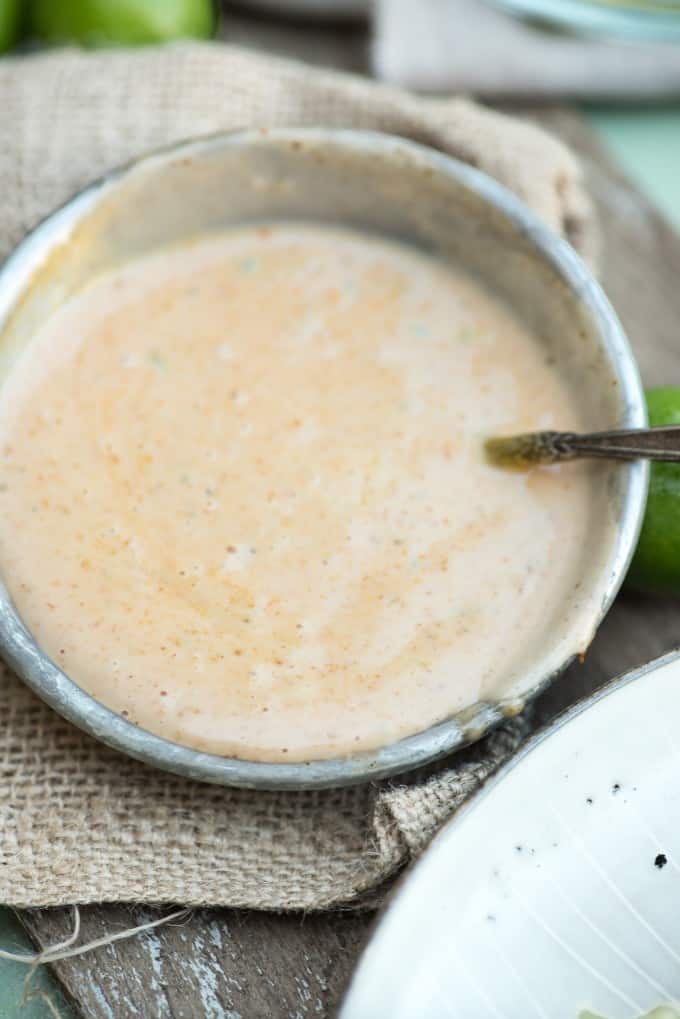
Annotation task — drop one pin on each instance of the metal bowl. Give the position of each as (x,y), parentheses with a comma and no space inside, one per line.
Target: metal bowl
(386,186)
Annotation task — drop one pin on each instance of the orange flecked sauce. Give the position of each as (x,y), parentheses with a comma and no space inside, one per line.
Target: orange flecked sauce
(244,503)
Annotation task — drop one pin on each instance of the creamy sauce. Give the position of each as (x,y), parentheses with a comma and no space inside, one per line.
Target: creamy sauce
(243,502)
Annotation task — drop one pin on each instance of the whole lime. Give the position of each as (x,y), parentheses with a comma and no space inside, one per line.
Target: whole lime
(120,22)
(10,20)
(656,564)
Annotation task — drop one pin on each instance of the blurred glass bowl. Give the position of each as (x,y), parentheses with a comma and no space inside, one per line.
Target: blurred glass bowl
(656,20)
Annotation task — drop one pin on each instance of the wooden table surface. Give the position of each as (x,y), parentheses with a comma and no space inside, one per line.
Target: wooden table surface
(226,964)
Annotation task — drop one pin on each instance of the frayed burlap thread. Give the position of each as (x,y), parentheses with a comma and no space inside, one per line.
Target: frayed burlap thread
(80,822)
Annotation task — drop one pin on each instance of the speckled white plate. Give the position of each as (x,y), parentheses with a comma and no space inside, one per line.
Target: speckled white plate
(557,887)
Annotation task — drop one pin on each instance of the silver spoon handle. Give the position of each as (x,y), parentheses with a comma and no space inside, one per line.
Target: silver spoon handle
(648,443)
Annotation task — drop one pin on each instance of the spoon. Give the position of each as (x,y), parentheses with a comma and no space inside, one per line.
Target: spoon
(520,452)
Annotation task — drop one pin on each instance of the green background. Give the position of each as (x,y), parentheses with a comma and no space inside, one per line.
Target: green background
(646,141)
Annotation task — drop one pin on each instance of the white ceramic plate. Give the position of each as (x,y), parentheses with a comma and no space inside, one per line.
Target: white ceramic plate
(557,888)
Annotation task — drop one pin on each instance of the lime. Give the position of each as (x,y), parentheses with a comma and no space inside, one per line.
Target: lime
(121,22)
(656,564)
(10,17)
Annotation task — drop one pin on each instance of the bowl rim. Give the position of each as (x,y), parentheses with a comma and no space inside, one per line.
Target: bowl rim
(364,971)
(76,705)
(635,22)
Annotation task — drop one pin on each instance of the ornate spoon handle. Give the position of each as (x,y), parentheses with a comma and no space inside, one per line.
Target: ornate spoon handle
(522,451)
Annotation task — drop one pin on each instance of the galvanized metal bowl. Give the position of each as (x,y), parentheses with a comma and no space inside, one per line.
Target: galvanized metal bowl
(385,186)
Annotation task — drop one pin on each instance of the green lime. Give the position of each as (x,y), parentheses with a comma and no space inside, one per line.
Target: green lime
(121,22)
(10,18)
(656,564)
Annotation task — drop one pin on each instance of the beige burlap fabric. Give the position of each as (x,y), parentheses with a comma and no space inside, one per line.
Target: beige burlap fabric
(79,822)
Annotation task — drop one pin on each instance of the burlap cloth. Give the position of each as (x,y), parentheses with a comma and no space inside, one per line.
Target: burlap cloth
(79,822)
